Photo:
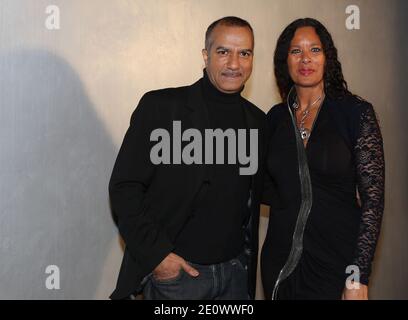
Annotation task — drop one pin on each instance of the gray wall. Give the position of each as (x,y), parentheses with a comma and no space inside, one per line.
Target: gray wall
(66,97)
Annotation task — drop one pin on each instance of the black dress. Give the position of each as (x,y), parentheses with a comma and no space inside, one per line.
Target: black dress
(344,154)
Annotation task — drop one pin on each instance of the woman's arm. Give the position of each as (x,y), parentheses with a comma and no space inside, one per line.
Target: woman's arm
(369,159)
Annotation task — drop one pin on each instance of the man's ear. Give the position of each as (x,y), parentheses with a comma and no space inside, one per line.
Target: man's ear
(205,56)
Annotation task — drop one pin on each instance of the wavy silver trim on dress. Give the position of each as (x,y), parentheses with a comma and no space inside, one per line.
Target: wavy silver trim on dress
(304,210)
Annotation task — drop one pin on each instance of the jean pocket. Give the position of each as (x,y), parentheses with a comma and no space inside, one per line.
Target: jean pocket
(169,281)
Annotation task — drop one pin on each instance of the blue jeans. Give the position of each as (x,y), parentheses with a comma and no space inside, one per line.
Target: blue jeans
(222,281)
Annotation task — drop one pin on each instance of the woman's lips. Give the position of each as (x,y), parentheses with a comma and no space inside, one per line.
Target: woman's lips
(306,72)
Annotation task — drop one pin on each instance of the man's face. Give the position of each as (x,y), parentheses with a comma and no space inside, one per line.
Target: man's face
(229,60)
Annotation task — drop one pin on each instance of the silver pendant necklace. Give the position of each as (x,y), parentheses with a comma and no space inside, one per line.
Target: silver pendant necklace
(305,132)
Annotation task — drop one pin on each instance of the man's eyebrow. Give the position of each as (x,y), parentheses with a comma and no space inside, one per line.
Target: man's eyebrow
(227,49)
(221,48)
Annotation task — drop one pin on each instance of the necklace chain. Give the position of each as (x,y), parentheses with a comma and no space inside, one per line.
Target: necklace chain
(305,132)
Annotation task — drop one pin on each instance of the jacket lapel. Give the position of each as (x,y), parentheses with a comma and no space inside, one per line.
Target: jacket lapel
(251,123)
(198,118)
(198,113)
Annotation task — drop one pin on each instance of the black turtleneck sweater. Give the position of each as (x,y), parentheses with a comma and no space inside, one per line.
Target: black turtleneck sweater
(214,233)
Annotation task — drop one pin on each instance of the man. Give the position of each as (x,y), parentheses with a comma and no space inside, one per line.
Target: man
(191,230)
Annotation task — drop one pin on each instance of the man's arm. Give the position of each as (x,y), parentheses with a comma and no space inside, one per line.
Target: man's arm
(132,174)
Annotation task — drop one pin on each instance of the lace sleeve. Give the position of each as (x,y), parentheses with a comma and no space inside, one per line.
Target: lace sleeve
(369,157)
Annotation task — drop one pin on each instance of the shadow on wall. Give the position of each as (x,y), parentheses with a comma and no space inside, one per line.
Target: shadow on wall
(55,162)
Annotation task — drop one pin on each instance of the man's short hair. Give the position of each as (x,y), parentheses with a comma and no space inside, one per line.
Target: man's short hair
(229,21)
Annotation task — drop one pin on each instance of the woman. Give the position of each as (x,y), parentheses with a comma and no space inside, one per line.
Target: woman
(325,149)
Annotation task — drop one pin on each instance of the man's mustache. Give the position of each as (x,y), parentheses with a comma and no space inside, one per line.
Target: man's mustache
(231,73)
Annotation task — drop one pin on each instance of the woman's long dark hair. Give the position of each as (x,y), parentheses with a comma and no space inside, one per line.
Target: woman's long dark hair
(334,84)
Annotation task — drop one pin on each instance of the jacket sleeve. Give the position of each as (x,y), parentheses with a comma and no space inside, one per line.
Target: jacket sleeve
(132,174)
(269,194)
(369,157)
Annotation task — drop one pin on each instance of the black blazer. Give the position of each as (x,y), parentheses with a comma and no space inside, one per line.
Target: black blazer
(153,202)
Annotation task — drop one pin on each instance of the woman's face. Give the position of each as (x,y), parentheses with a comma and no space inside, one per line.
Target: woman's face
(306,59)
